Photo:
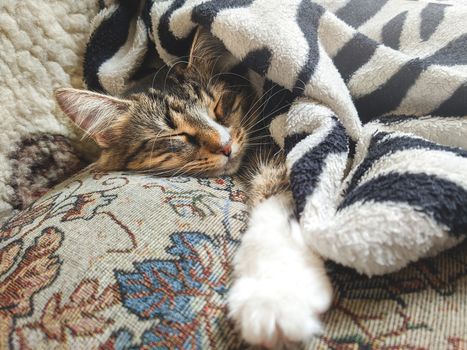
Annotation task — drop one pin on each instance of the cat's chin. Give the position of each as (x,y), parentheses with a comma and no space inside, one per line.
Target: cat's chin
(223,171)
(232,166)
(228,169)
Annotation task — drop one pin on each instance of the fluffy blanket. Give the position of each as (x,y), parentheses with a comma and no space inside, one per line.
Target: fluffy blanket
(368,98)
(42,44)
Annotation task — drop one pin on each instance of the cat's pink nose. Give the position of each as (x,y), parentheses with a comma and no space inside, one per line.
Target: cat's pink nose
(226,150)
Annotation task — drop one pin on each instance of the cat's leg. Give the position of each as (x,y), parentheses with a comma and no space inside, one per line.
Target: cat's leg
(280,286)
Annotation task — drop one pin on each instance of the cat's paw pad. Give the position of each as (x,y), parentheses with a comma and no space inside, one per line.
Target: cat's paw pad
(272,313)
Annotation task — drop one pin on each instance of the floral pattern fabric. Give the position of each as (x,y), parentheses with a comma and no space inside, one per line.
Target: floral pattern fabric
(131,261)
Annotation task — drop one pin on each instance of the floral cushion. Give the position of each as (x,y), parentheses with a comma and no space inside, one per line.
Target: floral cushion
(128,261)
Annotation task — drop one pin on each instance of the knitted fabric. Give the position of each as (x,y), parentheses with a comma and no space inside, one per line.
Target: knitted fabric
(41,48)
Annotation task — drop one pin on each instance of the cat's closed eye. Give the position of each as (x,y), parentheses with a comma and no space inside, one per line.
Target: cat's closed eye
(195,122)
(191,139)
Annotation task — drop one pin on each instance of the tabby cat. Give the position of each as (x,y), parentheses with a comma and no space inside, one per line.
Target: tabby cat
(201,119)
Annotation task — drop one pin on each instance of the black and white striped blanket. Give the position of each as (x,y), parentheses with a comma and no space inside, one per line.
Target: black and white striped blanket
(367,97)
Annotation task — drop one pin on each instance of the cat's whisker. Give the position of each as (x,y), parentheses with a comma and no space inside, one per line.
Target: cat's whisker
(170,69)
(255,144)
(249,113)
(263,104)
(259,98)
(302,89)
(155,75)
(254,134)
(266,140)
(171,171)
(264,117)
(253,125)
(213,66)
(180,172)
(230,73)
(257,130)
(259,137)
(152,149)
(194,165)
(156,138)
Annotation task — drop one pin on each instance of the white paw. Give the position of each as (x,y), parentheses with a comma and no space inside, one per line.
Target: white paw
(281,288)
(272,313)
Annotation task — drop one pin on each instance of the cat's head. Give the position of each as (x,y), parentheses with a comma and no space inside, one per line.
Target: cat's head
(195,124)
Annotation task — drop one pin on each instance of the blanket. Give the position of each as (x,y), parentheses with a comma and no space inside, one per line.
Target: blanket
(368,99)
(42,44)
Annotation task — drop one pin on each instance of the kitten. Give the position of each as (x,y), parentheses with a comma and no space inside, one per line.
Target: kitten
(200,122)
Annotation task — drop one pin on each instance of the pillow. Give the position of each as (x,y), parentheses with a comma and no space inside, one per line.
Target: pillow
(129,261)
(114,259)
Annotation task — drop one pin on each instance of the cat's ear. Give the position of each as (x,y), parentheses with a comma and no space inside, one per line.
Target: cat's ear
(206,52)
(94,113)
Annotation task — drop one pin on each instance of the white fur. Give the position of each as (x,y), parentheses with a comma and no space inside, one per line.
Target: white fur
(281,287)
(222,131)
